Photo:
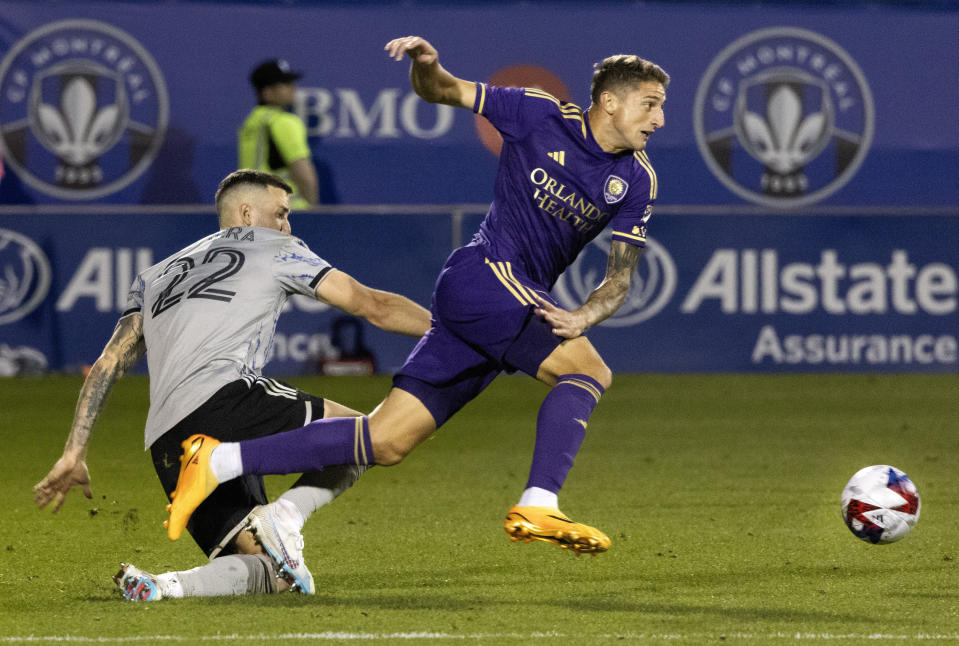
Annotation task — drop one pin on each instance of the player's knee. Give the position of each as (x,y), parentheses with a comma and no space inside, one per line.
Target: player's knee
(397,427)
(389,451)
(602,374)
(606,378)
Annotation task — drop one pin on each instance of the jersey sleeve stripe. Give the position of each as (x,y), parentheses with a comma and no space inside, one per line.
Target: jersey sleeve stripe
(653,182)
(568,110)
(480,98)
(653,175)
(582,122)
(563,105)
(629,236)
(542,95)
(132,310)
(320,276)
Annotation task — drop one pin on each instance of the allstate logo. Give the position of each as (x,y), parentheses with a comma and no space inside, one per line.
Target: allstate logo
(650,290)
(783,117)
(24,276)
(83,109)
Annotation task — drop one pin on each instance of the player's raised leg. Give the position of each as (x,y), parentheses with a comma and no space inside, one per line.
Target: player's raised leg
(194,484)
(324,442)
(402,423)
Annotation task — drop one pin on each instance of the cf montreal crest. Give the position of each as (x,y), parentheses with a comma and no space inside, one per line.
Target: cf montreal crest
(24,276)
(783,117)
(83,109)
(650,290)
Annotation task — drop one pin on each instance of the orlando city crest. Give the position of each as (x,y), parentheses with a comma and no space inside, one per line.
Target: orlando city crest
(614,189)
(83,108)
(783,117)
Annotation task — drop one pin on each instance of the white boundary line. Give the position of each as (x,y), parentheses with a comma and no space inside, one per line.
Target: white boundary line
(427,636)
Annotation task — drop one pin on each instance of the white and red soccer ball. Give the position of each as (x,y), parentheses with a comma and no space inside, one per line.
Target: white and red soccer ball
(880,504)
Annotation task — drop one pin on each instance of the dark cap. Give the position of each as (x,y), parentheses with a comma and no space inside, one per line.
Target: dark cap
(272,71)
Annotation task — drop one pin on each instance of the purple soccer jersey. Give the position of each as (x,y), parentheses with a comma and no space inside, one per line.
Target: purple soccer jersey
(556,189)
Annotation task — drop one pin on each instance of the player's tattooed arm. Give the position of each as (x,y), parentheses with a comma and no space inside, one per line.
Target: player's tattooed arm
(121,352)
(610,294)
(124,348)
(603,301)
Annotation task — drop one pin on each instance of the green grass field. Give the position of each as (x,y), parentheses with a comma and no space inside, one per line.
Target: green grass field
(720,493)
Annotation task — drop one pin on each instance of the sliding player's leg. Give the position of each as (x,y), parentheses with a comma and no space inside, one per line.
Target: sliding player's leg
(238,512)
(234,574)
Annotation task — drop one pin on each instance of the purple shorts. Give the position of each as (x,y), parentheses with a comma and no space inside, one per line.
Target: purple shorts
(483,323)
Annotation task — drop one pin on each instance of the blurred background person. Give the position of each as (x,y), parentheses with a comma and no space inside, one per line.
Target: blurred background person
(273,139)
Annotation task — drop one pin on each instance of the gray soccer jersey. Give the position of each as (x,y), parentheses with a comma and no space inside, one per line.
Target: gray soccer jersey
(210,311)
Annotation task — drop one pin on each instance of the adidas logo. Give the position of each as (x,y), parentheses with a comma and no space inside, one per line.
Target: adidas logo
(559,157)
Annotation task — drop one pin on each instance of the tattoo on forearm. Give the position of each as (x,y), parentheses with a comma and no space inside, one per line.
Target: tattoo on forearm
(123,350)
(608,297)
(92,395)
(623,259)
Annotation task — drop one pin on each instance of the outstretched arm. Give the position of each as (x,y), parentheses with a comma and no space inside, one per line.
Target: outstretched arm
(430,80)
(123,349)
(386,310)
(603,301)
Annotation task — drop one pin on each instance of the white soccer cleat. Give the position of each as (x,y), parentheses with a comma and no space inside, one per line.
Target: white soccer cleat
(276,528)
(137,585)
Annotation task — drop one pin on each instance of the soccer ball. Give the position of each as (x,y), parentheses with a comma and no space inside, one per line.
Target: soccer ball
(880,504)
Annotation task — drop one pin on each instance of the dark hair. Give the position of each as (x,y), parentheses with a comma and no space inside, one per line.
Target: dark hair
(622,70)
(247,176)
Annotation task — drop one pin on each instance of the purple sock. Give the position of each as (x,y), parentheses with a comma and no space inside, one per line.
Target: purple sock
(321,443)
(560,429)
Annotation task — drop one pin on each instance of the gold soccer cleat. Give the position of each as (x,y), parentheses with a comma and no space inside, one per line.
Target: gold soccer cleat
(195,482)
(551,525)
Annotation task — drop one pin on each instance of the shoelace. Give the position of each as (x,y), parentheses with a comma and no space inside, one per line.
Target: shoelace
(292,559)
(297,536)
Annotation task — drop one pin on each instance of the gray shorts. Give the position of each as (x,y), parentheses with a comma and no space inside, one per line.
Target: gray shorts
(241,410)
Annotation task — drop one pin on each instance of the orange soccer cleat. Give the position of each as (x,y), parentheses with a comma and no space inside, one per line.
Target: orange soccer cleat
(195,482)
(551,525)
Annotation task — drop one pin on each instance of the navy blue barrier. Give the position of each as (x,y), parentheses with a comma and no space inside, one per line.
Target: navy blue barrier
(714,293)
(783,106)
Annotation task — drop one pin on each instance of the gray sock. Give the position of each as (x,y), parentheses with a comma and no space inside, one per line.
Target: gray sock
(230,575)
(316,488)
